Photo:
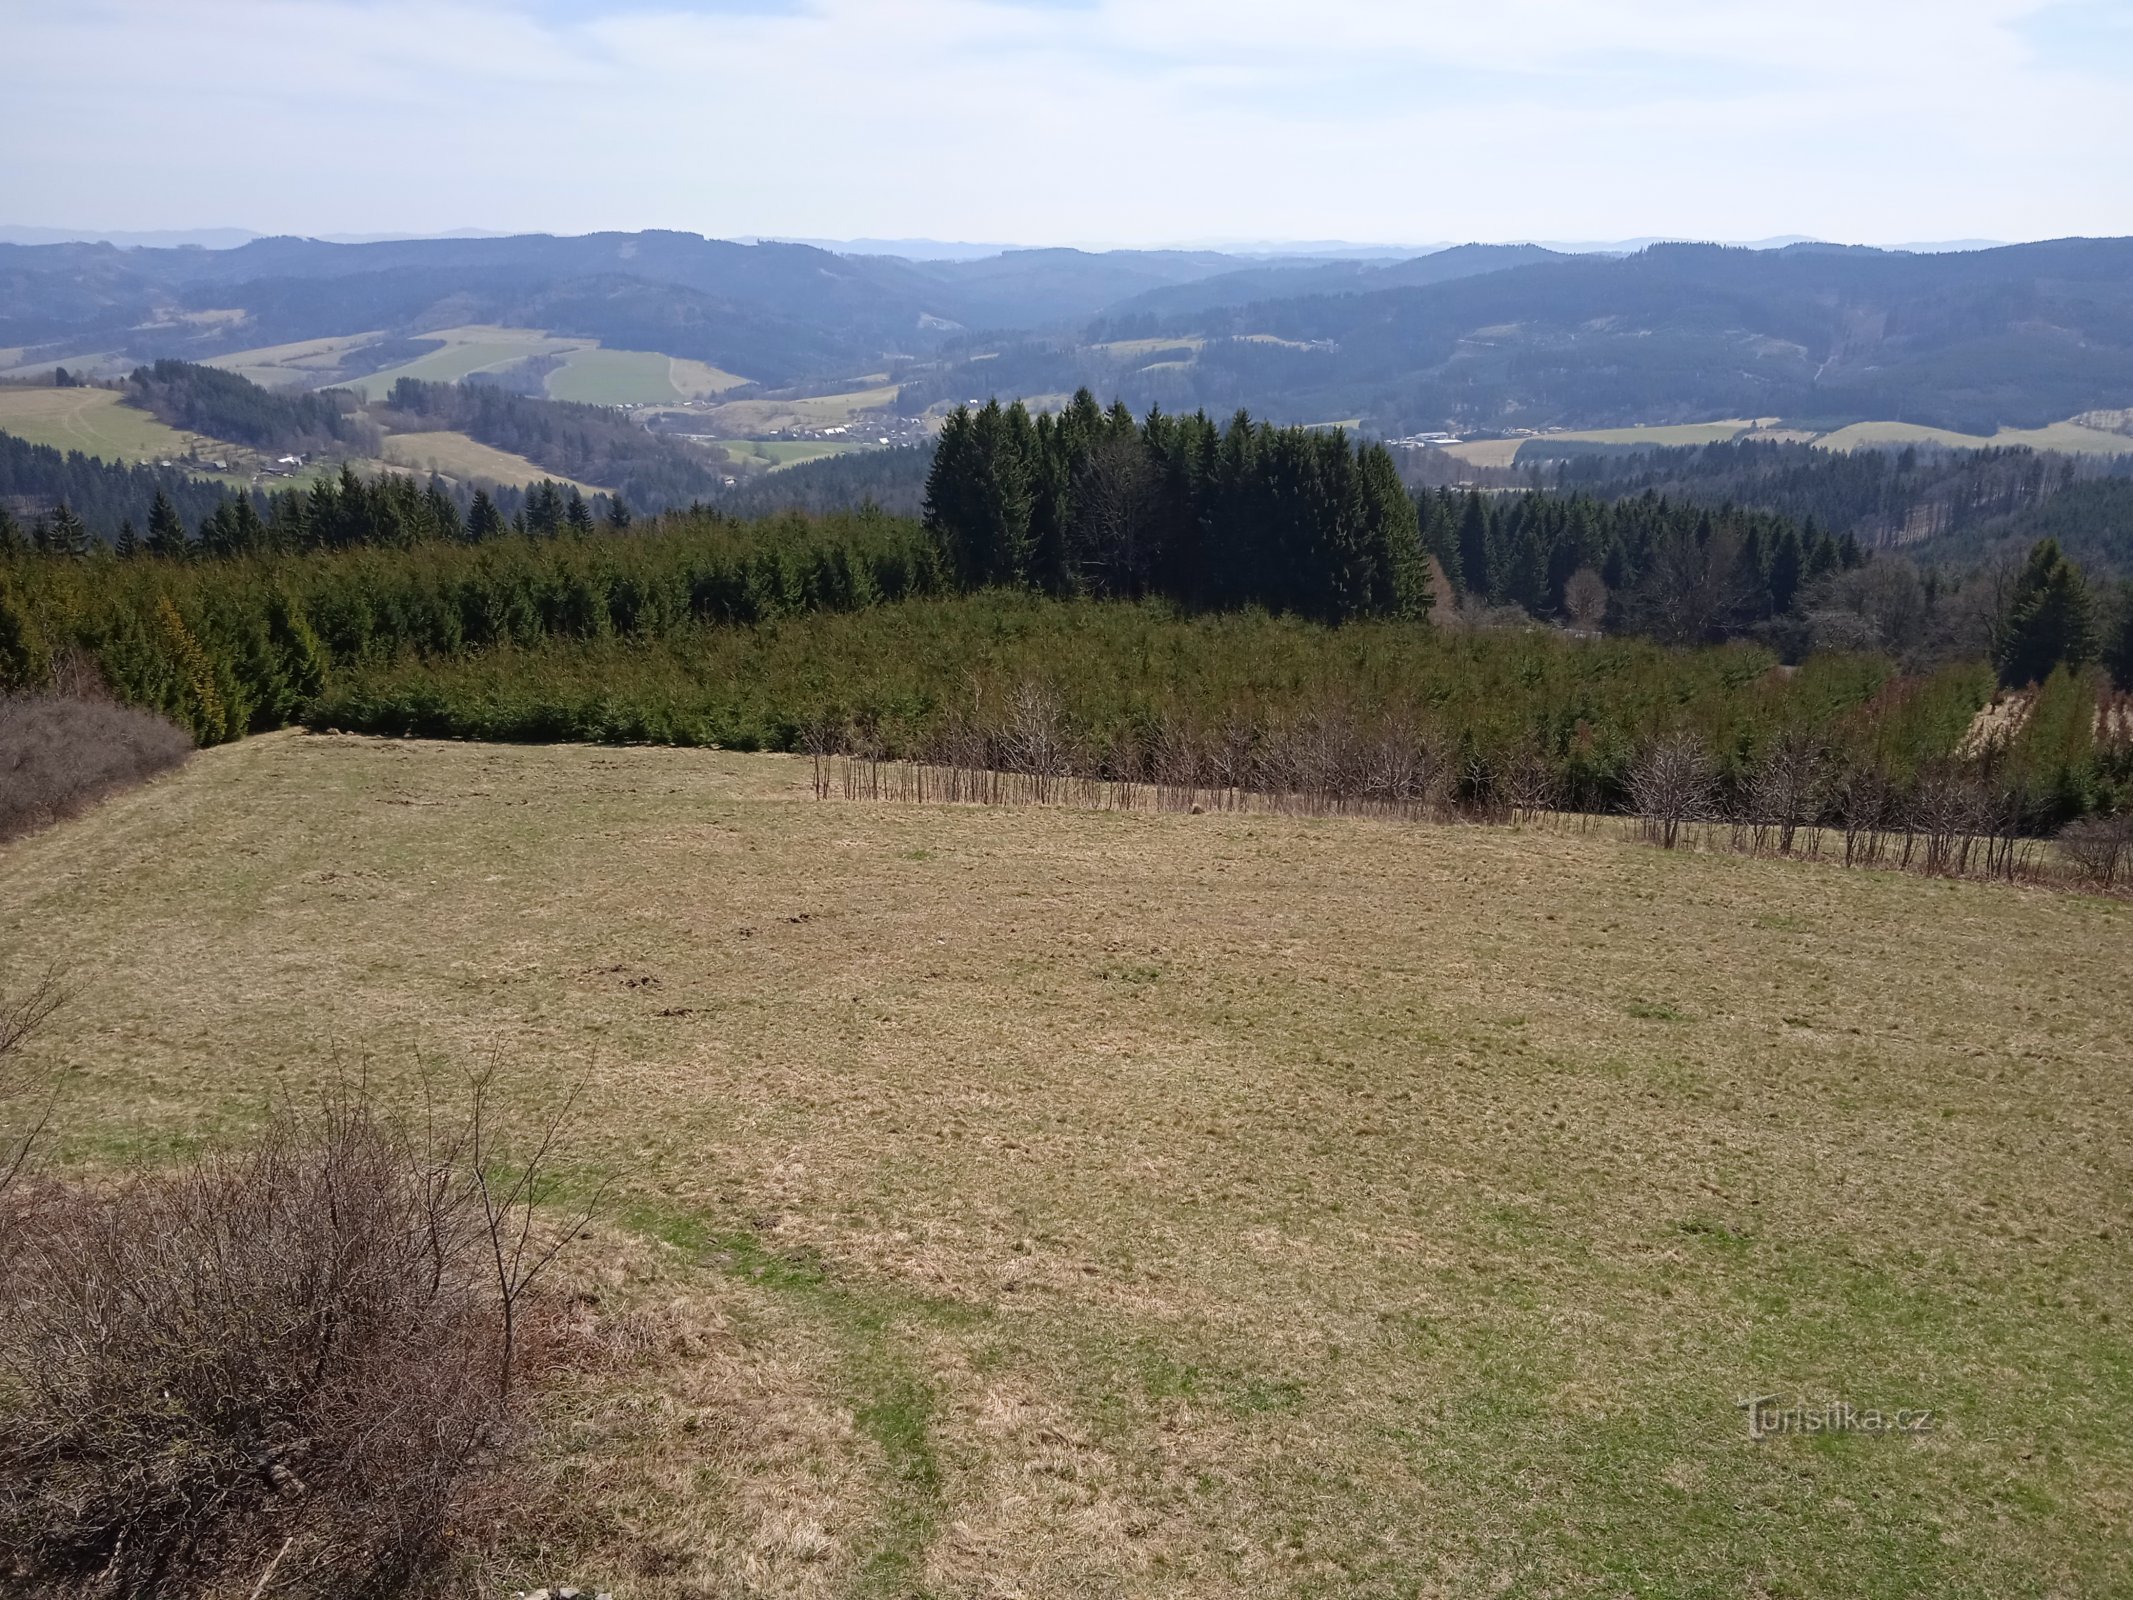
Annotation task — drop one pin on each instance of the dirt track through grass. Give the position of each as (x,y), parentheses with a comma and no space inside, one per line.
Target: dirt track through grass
(1053,1202)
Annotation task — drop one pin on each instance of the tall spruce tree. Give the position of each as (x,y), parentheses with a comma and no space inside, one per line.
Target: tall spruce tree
(62,533)
(484,521)
(2118,645)
(2050,620)
(1476,559)
(166,529)
(1787,567)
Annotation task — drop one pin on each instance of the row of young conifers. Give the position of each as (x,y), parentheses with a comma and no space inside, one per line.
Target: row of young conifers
(858,635)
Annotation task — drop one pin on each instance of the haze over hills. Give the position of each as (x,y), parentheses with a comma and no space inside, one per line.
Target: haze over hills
(1469,338)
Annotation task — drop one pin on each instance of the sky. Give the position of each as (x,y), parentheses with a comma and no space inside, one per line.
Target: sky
(1088,122)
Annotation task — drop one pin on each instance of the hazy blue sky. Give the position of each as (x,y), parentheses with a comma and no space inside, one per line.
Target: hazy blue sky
(1076,121)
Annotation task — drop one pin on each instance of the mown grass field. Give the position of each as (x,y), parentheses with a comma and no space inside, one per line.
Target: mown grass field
(1048,1202)
(93,421)
(460,456)
(775,453)
(636,378)
(2071,438)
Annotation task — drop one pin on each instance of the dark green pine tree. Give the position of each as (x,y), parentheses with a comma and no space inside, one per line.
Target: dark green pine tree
(166,529)
(978,495)
(1787,567)
(354,515)
(2118,645)
(218,533)
(14,543)
(577,515)
(618,513)
(128,543)
(1755,570)
(1474,553)
(444,515)
(2050,620)
(1392,539)
(484,521)
(1525,575)
(950,516)
(1823,557)
(62,533)
(249,532)
(289,522)
(544,510)
(1440,535)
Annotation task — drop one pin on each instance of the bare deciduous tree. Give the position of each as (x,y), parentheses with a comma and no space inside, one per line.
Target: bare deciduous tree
(2101,848)
(1672,784)
(1785,791)
(1585,599)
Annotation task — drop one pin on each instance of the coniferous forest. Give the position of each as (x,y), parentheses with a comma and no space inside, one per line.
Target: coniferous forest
(1163,584)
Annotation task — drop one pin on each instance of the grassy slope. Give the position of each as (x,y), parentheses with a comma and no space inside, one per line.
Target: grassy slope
(635,378)
(457,455)
(2070,437)
(1134,1205)
(93,421)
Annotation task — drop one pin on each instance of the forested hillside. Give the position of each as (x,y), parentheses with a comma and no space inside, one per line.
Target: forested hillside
(1494,337)
(594,444)
(225,406)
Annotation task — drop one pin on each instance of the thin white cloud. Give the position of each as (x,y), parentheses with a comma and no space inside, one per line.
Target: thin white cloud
(1128,120)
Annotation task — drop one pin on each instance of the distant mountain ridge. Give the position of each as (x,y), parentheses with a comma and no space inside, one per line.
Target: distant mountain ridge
(1469,338)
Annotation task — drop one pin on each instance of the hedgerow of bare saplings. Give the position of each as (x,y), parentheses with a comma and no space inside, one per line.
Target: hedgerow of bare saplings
(62,752)
(1891,783)
(295,1369)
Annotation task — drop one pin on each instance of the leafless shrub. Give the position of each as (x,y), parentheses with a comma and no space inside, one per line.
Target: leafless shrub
(62,753)
(1863,798)
(1524,779)
(1945,811)
(1034,740)
(1671,784)
(2100,848)
(1585,599)
(25,1095)
(1785,789)
(283,1370)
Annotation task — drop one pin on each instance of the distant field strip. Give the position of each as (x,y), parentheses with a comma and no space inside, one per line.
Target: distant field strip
(2072,438)
(306,363)
(455,455)
(467,351)
(789,452)
(752,418)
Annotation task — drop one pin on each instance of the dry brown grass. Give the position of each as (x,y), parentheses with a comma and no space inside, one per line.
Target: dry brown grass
(1034,1201)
